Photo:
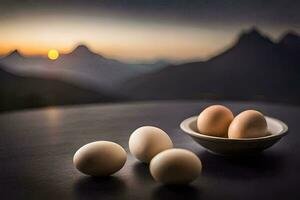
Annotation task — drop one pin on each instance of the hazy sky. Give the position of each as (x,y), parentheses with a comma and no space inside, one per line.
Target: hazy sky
(139,29)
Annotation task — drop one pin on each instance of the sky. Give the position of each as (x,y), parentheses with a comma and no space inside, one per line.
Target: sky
(134,30)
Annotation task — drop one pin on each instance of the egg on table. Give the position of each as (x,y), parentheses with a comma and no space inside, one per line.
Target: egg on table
(101,158)
(248,124)
(214,121)
(175,166)
(147,141)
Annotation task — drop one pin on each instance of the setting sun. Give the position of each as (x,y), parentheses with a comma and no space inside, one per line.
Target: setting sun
(53,54)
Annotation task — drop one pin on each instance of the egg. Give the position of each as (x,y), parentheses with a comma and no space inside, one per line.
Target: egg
(248,124)
(101,158)
(214,121)
(175,166)
(147,141)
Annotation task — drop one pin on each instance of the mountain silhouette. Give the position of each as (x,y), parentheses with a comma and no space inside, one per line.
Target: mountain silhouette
(253,68)
(291,41)
(83,51)
(17,92)
(82,66)
(15,54)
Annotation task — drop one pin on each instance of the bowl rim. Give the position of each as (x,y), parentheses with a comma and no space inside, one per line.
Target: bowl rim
(184,125)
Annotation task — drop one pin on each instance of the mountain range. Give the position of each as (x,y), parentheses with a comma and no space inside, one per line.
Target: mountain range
(81,66)
(253,68)
(17,92)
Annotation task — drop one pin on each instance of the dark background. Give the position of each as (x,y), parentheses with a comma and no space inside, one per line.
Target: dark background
(261,63)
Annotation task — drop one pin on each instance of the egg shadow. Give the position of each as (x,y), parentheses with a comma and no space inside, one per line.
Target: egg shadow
(176,192)
(264,164)
(141,172)
(98,187)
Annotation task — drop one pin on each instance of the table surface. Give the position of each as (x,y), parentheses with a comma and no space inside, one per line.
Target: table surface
(37,147)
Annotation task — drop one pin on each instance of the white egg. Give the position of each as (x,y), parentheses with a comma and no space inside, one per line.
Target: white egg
(175,166)
(147,141)
(101,158)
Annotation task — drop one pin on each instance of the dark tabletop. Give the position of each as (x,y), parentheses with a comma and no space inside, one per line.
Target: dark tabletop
(37,147)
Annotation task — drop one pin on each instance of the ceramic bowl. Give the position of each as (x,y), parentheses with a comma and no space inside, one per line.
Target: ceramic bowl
(226,146)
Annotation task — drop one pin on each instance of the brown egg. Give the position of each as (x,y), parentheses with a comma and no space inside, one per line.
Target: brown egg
(248,124)
(175,166)
(101,158)
(214,121)
(147,141)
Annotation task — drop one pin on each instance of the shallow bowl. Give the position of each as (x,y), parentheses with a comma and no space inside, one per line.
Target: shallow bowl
(226,146)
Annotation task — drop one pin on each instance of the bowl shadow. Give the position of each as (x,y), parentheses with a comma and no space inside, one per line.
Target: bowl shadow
(263,164)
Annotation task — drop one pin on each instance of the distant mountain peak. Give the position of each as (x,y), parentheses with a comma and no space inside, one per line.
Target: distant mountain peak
(82,49)
(14,53)
(253,34)
(291,41)
(289,37)
(253,30)
(291,34)
(252,37)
